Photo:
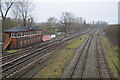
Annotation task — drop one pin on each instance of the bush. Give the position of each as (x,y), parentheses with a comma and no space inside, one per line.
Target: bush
(113,30)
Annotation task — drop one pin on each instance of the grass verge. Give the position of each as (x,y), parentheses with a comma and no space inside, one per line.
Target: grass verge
(13,50)
(97,32)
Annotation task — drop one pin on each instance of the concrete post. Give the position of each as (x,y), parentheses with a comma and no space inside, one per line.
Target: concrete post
(1,41)
(1,48)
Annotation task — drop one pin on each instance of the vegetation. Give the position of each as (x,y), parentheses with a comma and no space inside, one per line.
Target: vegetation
(22,10)
(13,50)
(59,63)
(5,6)
(113,30)
(97,32)
(112,34)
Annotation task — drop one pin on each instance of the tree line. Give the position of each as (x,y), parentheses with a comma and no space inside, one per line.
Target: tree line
(68,23)
(113,30)
(22,12)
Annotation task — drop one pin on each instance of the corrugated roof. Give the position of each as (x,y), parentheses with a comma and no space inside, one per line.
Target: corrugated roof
(22,28)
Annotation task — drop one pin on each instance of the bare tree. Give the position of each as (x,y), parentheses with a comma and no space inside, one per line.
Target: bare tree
(15,12)
(24,9)
(53,24)
(30,21)
(5,6)
(79,20)
(52,21)
(16,15)
(67,19)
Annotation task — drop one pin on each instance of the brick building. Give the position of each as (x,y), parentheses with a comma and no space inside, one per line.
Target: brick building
(22,36)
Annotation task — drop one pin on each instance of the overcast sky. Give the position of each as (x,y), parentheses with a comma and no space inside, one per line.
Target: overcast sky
(91,10)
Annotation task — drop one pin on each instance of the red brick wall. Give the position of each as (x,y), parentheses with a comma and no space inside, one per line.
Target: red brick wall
(25,43)
(7,36)
(14,42)
(21,44)
(29,41)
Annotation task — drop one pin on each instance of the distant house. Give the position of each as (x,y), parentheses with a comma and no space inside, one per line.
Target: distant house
(21,36)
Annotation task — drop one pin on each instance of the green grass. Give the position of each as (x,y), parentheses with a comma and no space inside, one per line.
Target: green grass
(97,32)
(59,63)
(112,52)
(13,50)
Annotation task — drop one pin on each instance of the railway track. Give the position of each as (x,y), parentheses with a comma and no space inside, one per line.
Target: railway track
(89,62)
(104,70)
(15,65)
(9,56)
(18,54)
(12,55)
(116,67)
(24,59)
(80,64)
(28,75)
